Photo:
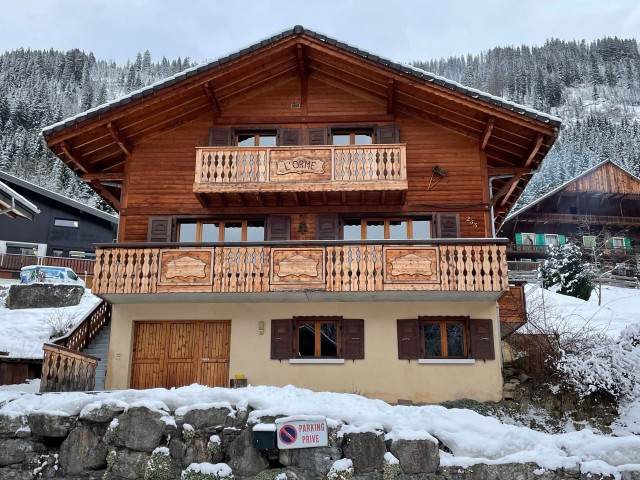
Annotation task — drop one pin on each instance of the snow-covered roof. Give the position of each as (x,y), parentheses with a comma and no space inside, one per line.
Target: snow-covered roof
(300,30)
(57,197)
(565,185)
(12,202)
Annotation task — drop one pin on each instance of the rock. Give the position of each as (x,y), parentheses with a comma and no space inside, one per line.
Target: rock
(228,435)
(47,425)
(242,415)
(631,475)
(83,449)
(523,377)
(416,456)
(509,387)
(43,295)
(139,429)
(129,465)
(10,425)
(105,413)
(195,451)
(243,459)
(315,460)
(15,474)
(14,450)
(208,420)
(366,451)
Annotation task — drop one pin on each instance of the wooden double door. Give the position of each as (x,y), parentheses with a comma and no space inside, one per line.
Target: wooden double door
(174,354)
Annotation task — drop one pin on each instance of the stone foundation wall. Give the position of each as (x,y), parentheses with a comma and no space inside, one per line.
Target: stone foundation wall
(112,443)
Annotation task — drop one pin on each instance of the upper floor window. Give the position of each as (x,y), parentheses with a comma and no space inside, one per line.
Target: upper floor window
(387,229)
(362,136)
(256,139)
(222,231)
(64,222)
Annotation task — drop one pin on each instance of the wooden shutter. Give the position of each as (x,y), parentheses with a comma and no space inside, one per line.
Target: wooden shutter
(160,229)
(328,227)
(481,339)
(541,239)
(278,228)
(317,136)
(289,136)
(519,239)
(408,339)
(448,225)
(388,134)
(281,339)
(219,137)
(352,338)
(627,242)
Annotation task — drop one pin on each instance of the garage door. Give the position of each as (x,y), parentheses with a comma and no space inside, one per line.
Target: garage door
(174,354)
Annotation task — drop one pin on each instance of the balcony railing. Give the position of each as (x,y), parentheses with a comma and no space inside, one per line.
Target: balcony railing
(587,219)
(366,266)
(308,168)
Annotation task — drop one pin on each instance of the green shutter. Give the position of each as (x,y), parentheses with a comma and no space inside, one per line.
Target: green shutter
(518,239)
(589,241)
(562,239)
(540,239)
(627,242)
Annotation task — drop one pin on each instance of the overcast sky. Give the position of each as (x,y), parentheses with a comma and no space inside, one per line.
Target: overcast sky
(402,30)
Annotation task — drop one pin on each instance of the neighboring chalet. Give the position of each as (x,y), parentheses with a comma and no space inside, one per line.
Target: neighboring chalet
(305,212)
(599,209)
(13,205)
(63,228)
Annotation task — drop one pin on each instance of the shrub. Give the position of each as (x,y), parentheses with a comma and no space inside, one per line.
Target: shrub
(59,322)
(564,267)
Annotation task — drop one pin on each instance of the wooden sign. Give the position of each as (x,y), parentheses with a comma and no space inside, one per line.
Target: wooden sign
(185,267)
(300,165)
(299,267)
(411,265)
(296,164)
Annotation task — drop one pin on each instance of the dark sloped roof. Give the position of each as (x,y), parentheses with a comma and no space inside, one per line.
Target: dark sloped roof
(300,30)
(12,203)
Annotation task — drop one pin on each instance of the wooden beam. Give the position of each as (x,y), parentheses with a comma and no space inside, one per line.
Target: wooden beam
(390,92)
(487,133)
(339,119)
(211,95)
(222,199)
(506,190)
(296,199)
(534,149)
(76,158)
(117,136)
(202,199)
(509,170)
(106,194)
(113,177)
(301,62)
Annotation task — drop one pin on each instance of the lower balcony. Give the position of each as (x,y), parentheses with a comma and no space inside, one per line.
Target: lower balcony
(454,269)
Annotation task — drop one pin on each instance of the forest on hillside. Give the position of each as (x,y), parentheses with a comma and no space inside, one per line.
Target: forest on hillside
(594,87)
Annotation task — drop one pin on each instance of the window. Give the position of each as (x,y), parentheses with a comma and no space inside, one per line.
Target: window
(551,240)
(72,275)
(222,231)
(393,229)
(256,139)
(317,338)
(445,338)
(56,252)
(63,222)
(528,239)
(617,242)
(361,136)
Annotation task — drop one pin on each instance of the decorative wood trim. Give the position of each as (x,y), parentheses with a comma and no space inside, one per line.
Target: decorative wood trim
(76,158)
(516,179)
(301,62)
(534,149)
(106,194)
(507,187)
(323,119)
(487,133)
(211,95)
(390,95)
(117,136)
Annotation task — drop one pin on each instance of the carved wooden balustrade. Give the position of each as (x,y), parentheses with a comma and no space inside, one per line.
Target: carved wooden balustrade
(310,168)
(86,329)
(65,370)
(366,266)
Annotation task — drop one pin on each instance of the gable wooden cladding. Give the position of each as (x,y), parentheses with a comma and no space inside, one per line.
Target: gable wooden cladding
(513,311)
(608,179)
(173,354)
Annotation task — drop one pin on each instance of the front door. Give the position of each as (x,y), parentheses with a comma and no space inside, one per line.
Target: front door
(173,354)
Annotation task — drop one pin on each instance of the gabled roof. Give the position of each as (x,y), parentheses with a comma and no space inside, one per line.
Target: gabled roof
(57,197)
(567,184)
(15,205)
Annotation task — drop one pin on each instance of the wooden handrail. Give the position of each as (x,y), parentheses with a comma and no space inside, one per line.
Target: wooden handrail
(86,329)
(576,218)
(66,370)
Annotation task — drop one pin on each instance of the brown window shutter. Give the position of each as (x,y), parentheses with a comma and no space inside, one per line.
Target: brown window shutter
(408,339)
(481,334)
(281,339)
(219,137)
(317,136)
(448,225)
(160,229)
(278,228)
(288,137)
(328,227)
(352,338)
(388,134)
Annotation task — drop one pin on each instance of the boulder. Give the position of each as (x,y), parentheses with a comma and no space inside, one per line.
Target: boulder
(366,451)
(14,451)
(129,465)
(15,474)
(317,460)
(104,413)
(83,450)
(194,451)
(43,295)
(244,460)
(10,425)
(139,429)
(416,456)
(207,420)
(47,425)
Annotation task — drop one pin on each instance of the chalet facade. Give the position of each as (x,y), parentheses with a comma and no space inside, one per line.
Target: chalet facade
(599,210)
(304,212)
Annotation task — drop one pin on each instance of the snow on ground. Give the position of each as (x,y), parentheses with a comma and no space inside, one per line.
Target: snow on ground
(30,386)
(471,438)
(23,332)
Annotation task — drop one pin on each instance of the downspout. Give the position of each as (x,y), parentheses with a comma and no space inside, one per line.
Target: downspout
(491,179)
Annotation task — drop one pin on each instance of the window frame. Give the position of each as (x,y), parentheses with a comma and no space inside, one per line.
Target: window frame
(620,240)
(69,223)
(256,134)
(318,322)
(443,337)
(387,226)
(221,229)
(352,132)
(555,236)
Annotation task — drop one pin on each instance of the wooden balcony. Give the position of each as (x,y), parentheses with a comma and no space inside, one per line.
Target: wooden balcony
(302,271)
(310,175)
(579,219)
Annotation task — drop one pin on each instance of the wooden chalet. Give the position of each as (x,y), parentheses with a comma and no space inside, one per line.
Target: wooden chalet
(306,212)
(598,209)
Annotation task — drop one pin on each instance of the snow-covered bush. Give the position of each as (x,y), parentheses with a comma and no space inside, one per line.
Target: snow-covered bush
(564,267)
(341,470)
(59,322)
(159,466)
(207,471)
(611,366)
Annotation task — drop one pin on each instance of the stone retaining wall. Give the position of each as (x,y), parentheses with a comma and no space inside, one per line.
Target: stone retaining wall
(112,443)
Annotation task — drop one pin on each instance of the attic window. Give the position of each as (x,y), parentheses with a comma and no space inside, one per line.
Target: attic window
(63,222)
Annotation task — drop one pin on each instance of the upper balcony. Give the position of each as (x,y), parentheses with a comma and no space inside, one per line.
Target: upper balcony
(310,175)
(456,269)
